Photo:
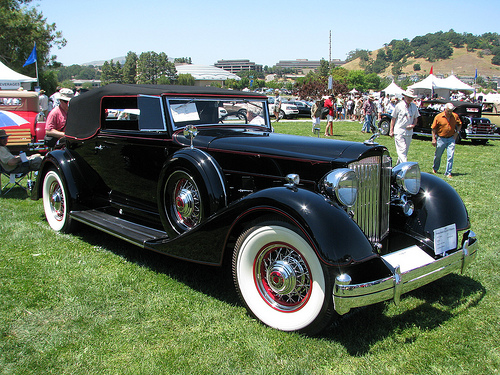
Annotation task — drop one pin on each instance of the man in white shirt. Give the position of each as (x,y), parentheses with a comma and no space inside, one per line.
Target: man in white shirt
(404,119)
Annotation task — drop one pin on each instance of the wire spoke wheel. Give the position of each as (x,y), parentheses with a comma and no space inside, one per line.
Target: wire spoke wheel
(280,279)
(55,202)
(184,203)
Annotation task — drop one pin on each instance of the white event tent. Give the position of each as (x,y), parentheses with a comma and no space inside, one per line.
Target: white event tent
(440,86)
(11,80)
(204,75)
(393,90)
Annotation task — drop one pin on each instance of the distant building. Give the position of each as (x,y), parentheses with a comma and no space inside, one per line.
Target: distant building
(94,83)
(235,66)
(305,65)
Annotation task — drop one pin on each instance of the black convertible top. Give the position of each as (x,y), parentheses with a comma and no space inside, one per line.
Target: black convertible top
(84,114)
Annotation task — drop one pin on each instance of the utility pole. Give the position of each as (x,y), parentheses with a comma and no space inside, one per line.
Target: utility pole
(330,52)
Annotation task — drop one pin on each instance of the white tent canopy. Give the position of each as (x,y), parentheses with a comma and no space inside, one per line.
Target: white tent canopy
(453,83)
(393,90)
(429,83)
(11,80)
(440,86)
(204,75)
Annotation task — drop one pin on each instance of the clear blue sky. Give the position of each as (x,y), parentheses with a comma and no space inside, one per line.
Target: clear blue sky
(264,32)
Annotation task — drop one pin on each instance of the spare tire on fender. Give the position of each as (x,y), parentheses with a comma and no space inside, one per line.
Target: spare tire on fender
(191,188)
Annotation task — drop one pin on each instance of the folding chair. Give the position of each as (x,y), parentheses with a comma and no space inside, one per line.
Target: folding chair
(23,180)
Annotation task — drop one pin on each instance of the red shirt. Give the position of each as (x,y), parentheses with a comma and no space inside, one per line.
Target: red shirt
(329,105)
(56,120)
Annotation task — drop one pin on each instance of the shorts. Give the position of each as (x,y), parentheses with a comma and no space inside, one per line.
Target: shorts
(316,120)
(329,118)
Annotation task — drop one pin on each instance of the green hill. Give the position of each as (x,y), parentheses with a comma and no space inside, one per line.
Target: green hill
(447,52)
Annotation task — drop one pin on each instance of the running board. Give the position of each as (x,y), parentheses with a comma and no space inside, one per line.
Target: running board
(134,233)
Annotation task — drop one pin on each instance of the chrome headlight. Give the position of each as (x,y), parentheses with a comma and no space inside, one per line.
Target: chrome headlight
(343,185)
(407,177)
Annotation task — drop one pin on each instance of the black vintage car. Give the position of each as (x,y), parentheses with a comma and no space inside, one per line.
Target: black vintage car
(311,228)
(474,127)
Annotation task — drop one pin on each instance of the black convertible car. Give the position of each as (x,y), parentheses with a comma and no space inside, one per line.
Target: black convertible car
(311,228)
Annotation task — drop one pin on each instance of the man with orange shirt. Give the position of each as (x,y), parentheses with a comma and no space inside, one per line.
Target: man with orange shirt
(445,129)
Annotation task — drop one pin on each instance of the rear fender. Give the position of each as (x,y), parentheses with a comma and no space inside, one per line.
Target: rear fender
(63,162)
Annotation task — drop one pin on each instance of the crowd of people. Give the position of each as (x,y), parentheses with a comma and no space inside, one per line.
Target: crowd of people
(404,115)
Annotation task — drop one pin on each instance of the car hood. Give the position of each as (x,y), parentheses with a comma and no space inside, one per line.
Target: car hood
(278,145)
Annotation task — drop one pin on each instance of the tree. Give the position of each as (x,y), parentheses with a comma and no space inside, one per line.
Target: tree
(154,68)
(324,68)
(129,70)
(356,80)
(185,79)
(21,26)
(363,54)
(111,73)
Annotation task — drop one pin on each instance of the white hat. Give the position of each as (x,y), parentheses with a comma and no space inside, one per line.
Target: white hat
(66,94)
(409,93)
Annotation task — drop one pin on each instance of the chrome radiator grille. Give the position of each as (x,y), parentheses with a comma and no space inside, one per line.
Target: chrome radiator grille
(371,210)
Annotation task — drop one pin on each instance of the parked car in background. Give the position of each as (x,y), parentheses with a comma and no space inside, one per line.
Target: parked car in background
(21,118)
(310,228)
(476,128)
(287,110)
(303,107)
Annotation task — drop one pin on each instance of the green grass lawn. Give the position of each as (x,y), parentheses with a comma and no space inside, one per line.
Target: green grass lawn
(88,303)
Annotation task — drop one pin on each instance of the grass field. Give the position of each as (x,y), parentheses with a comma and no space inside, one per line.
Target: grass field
(88,303)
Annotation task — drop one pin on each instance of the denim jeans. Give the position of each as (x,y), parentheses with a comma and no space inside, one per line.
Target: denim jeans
(367,124)
(449,145)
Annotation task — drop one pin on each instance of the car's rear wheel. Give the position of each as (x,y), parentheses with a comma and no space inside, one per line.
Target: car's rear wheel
(56,203)
(183,200)
(282,114)
(281,280)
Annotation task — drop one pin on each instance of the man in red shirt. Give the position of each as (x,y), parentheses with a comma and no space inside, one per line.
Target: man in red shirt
(329,103)
(56,121)
(445,129)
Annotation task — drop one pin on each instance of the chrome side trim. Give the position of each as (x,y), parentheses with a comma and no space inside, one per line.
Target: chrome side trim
(347,296)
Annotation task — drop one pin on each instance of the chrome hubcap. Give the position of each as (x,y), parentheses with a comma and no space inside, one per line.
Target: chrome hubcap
(185,203)
(282,277)
(56,201)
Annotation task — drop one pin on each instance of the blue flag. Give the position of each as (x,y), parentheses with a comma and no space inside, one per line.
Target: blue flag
(31,58)
(475,77)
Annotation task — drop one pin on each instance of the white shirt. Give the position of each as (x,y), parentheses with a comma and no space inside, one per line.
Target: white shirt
(404,115)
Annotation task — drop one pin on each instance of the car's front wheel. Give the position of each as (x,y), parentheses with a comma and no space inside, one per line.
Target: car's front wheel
(384,126)
(56,203)
(281,280)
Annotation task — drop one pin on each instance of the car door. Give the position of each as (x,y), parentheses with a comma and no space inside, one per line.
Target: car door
(131,150)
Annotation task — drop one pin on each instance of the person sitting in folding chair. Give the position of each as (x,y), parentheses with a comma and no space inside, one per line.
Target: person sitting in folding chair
(14,164)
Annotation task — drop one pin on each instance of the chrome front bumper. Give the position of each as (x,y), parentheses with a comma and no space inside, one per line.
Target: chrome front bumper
(347,296)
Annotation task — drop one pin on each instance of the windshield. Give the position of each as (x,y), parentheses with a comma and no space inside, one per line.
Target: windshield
(197,111)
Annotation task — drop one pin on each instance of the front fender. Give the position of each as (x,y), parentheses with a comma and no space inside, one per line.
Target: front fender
(437,205)
(336,238)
